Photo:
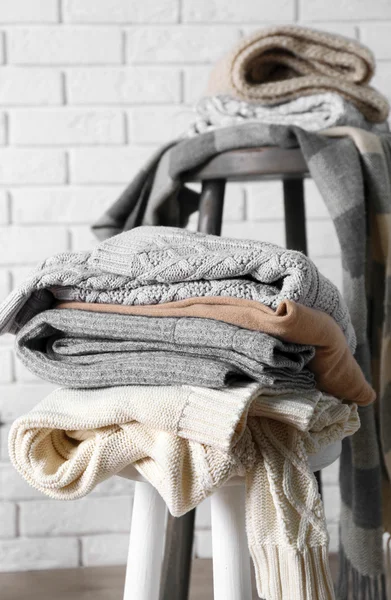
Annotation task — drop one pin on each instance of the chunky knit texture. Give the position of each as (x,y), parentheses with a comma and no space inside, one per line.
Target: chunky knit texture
(151,265)
(335,369)
(312,113)
(76,438)
(91,349)
(281,63)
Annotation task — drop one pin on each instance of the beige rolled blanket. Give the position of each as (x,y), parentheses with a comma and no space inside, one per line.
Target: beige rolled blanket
(278,64)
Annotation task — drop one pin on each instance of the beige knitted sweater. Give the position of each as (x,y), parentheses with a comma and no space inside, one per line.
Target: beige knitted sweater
(187,442)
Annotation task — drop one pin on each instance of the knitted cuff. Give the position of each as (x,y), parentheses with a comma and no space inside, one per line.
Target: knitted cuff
(216,417)
(285,573)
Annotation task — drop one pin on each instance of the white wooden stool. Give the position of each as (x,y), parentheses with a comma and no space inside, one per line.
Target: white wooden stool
(231,560)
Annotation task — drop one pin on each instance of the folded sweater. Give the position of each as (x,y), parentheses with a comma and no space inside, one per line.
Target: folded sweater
(91,349)
(312,113)
(336,370)
(283,62)
(187,442)
(151,265)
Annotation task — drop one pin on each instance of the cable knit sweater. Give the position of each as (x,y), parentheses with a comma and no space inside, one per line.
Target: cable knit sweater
(76,438)
(152,265)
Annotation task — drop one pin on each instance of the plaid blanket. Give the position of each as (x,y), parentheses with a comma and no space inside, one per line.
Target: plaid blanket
(352,169)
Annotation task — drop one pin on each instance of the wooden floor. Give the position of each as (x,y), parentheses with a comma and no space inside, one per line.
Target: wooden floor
(93,583)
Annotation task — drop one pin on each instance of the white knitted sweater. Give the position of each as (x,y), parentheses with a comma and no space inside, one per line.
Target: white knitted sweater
(187,442)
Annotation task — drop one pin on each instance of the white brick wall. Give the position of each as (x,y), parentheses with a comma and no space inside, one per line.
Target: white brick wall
(221,11)
(87,90)
(106,549)
(55,45)
(121,11)
(123,85)
(24,11)
(87,516)
(66,126)
(23,167)
(30,87)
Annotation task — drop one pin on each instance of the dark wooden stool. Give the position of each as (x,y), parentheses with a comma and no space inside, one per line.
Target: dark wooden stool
(289,166)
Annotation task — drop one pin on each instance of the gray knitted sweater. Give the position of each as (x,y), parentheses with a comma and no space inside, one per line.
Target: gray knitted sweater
(88,349)
(150,265)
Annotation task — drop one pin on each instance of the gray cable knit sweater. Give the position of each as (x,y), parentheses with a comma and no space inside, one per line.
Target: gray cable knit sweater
(88,349)
(150,265)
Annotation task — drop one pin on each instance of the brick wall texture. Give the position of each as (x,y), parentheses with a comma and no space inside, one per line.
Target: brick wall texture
(87,90)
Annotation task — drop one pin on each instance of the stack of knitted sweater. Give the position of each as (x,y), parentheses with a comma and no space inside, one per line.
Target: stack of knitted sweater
(290,75)
(195,358)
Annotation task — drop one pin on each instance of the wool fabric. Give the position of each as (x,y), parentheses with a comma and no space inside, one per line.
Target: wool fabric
(91,349)
(151,265)
(336,370)
(76,438)
(280,63)
(312,113)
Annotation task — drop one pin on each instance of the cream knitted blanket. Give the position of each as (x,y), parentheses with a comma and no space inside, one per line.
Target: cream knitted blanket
(280,63)
(75,439)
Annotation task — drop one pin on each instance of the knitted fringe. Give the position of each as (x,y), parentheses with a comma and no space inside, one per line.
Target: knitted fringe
(292,575)
(353,585)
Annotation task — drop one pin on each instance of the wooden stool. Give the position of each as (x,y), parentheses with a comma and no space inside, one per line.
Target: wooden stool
(257,164)
(231,559)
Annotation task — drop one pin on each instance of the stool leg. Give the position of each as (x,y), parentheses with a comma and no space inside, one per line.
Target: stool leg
(145,545)
(211,206)
(180,532)
(231,559)
(294,208)
(318,477)
(178,553)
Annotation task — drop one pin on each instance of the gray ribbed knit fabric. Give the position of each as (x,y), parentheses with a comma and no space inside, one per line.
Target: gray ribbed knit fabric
(88,349)
(150,265)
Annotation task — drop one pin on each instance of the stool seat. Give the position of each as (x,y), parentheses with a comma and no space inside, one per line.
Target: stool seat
(252,163)
(318,461)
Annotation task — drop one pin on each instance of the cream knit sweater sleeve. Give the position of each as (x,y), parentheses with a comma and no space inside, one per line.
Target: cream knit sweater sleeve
(74,439)
(290,546)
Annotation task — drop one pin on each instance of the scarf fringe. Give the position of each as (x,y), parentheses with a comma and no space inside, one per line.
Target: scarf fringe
(361,587)
(292,574)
